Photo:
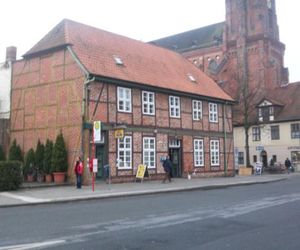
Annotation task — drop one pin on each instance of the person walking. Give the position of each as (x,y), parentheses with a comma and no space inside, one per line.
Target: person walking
(78,169)
(288,165)
(167,164)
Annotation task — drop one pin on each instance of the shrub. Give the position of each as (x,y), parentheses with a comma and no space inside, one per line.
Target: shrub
(29,162)
(10,175)
(47,166)
(60,155)
(2,154)
(15,153)
(39,155)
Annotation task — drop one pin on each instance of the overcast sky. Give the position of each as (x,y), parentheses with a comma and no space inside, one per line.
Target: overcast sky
(24,22)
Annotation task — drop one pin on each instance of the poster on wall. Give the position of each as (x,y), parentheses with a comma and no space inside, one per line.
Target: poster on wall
(97,131)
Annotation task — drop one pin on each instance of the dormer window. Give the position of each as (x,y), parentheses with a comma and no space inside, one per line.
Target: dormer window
(266,112)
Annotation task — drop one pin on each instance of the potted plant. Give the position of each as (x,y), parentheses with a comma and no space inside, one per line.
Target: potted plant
(59,159)
(28,170)
(2,154)
(15,153)
(39,161)
(47,166)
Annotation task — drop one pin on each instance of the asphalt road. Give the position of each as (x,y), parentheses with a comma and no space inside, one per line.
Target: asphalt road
(262,216)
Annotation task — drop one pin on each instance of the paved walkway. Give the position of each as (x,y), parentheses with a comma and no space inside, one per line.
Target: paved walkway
(67,193)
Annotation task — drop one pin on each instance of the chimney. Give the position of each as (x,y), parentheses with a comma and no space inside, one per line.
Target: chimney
(11,54)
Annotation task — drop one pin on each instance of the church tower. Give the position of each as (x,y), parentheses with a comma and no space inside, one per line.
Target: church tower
(257,17)
(252,34)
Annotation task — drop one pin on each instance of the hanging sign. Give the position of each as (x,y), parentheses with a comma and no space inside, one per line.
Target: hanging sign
(119,133)
(97,131)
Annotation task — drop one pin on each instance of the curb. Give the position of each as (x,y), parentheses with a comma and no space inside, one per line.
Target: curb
(140,193)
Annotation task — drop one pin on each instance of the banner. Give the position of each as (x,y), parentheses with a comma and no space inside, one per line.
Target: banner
(97,131)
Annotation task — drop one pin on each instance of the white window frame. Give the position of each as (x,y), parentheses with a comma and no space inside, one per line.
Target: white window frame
(127,152)
(149,151)
(124,95)
(197,110)
(198,153)
(213,112)
(214,153)
(174,106)
(147,104)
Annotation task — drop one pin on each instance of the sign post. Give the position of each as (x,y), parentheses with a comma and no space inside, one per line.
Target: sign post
(96,138)
(142,171)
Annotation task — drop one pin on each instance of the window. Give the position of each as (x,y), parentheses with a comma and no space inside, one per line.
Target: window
(149,152)
(241,158)
(148,103)
(213,112)
(295,156)
(295,131)
(275,133)
(197,110)
(254,158)
(266,114)
(124,99)
(214,153)
(256,133)
(174,103)
(198,153)
(124,153)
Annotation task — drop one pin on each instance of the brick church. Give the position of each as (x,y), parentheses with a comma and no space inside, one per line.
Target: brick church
(245,56)
(247,43)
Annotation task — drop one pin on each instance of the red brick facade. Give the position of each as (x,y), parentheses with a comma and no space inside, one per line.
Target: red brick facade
(68,87)
(46,99)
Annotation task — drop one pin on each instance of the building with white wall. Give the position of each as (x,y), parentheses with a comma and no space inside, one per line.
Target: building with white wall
(5,95)
(275,133)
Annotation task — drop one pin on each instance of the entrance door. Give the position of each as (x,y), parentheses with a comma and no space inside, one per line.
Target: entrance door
(175,157)
(264,158)
(100,157)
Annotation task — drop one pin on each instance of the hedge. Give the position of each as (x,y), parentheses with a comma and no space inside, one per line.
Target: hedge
(10,175)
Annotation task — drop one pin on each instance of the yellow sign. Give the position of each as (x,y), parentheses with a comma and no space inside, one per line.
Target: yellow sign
(119,133)
(141,171)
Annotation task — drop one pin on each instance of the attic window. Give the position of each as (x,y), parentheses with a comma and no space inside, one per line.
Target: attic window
(118,60)
(191,78)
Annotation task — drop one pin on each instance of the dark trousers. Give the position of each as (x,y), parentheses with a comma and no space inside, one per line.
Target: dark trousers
(78,180)
(167,176)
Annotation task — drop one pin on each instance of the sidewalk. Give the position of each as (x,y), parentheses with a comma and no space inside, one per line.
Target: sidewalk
(68,193)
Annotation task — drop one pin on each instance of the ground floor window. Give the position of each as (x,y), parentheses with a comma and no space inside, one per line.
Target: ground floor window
(295,156)
(214,153)
(198,153)
(149,152)
(254,158)
(241,158)
(125,153)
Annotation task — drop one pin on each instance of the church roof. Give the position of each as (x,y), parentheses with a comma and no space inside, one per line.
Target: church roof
(114,56)
(208,36)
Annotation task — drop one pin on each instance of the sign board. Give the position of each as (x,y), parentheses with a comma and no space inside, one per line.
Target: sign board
(95,165)
(119,133)
(141,171)
(97,131)
(259,148)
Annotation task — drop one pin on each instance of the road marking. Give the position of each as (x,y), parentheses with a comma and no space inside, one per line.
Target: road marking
(33,245)
(166,220)
(24,198)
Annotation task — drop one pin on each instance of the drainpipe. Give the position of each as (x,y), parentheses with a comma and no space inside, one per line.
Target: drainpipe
(225,140)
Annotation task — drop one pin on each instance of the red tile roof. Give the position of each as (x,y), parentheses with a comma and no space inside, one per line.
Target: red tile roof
(143,63)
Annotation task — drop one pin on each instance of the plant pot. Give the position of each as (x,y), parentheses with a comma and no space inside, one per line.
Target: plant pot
(59,177)
(30,178)
(48,178)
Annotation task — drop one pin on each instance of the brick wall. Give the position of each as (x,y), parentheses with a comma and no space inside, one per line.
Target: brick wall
(46,99)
